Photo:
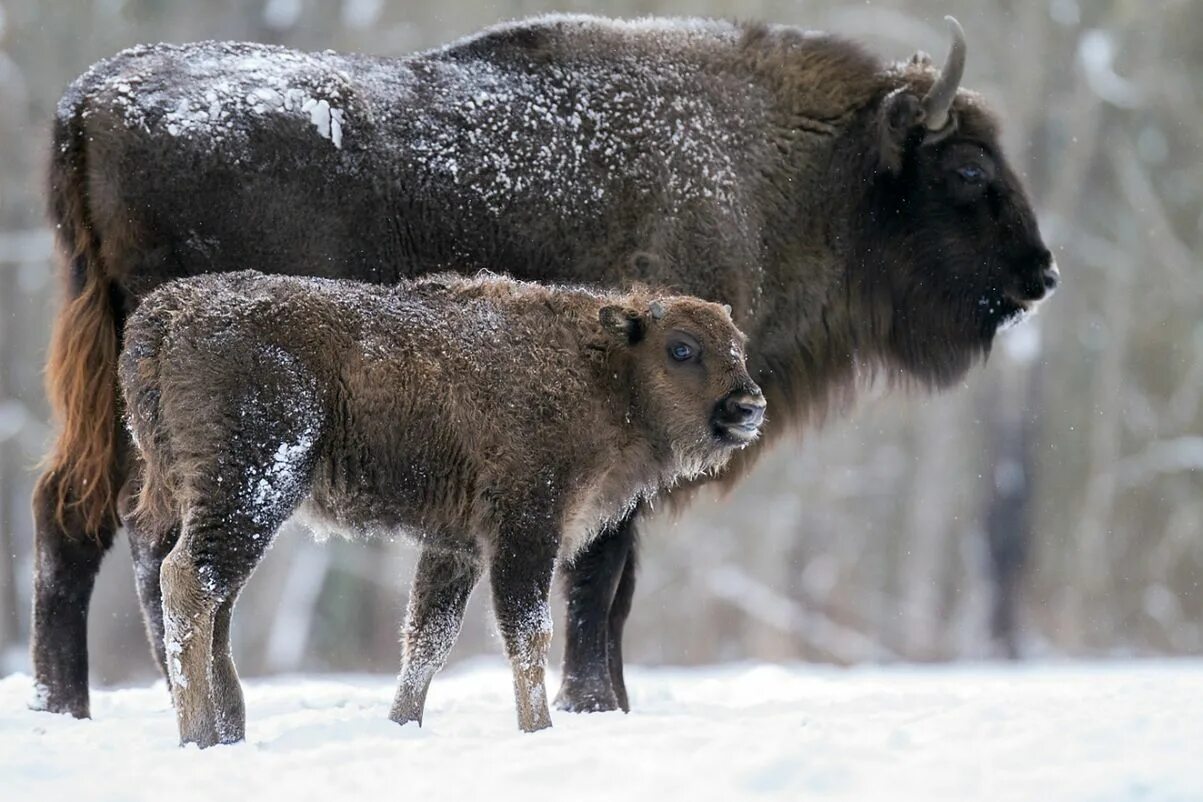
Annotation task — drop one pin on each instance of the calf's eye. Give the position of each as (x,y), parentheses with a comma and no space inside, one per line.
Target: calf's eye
(680,351)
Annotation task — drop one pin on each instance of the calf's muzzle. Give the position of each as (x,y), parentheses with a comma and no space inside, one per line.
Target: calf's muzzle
(739,415)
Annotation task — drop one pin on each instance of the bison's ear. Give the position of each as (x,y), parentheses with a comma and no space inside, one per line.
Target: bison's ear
(901,116)
(903,113)
(622,322)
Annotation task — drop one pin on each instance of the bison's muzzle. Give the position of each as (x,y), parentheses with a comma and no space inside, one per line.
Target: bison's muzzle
(1033,286)
(738,417)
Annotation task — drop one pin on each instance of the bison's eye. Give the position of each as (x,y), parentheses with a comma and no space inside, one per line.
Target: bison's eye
(682,352)
(971,174)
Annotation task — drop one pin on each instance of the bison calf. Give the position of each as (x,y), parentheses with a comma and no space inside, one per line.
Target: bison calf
(496,422)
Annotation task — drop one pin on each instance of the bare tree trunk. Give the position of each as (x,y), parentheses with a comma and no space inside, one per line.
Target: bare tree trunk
(9,467)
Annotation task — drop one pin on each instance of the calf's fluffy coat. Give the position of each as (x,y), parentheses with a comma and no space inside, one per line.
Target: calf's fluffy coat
(497,422)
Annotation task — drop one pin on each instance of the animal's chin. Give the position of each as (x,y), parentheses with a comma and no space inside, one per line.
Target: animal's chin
(735,436)
(1005,312)
(1018,311)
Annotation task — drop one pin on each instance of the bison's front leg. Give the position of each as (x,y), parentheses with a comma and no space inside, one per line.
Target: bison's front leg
(521,571)
(599,586)
(442,585)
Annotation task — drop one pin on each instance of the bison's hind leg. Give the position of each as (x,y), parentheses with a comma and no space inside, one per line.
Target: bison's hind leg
(442,584)
(66,563)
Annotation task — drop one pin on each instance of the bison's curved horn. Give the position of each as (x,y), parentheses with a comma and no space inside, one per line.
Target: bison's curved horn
(938,101)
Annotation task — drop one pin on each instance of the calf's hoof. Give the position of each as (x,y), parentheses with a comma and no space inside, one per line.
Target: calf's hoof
(408,705)
(535,722)
(200,730)
(580,695)
(202,740)
(403,717)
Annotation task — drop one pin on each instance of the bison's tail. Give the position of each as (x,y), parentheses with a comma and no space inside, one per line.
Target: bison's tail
(82,364)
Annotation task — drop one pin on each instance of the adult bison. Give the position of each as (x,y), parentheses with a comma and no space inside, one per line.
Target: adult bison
(859,217)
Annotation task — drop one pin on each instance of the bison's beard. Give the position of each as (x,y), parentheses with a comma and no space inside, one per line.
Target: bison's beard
(998,312)
(937,339)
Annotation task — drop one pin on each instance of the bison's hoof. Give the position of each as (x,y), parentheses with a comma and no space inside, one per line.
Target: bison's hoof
(71,704)
(583,696)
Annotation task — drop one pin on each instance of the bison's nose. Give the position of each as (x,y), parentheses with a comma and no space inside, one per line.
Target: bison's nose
(1051,276)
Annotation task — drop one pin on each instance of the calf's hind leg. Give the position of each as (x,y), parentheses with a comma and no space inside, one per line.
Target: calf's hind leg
(227,690)
(189,608)
(149,542)
(201,578)
(442,585)
(521,577)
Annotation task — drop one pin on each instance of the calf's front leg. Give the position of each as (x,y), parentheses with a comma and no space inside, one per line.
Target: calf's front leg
(442,584)
(521,572)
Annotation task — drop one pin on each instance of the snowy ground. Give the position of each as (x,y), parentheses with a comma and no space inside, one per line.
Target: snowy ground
(1037,732)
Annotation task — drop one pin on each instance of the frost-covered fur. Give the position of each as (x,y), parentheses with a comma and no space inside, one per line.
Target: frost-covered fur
(779,170)
(497,422)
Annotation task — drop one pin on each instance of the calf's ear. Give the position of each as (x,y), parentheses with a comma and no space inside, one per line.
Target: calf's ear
(622,322)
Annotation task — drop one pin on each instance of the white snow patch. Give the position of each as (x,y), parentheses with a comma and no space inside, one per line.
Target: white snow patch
(217,88)
(1069,732)
(280,477)
(174,649)
(41,697)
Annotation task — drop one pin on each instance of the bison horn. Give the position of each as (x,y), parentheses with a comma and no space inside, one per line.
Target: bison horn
(938,102)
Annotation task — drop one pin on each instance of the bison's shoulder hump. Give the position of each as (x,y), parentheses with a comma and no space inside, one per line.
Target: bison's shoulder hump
(583,35)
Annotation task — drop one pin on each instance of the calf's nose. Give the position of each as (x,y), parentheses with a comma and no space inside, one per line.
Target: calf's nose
(744,409)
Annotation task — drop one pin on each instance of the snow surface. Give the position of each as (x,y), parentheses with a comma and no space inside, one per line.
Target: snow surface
(1118,731)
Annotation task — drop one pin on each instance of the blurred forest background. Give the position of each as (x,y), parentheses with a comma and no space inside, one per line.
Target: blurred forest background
(1053,505)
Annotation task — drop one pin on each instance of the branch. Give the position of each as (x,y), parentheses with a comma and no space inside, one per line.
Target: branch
(764,604)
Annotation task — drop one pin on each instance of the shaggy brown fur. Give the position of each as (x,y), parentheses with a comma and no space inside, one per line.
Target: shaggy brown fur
(498,423)
(787,173)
